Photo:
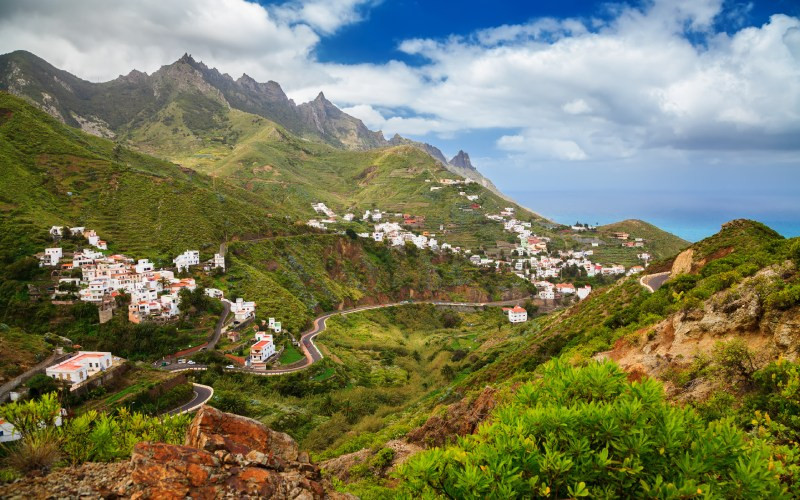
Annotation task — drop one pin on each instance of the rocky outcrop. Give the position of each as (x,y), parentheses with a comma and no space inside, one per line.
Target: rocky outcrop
(341,467)
(458,419)
(735,313)
(461,160)
(224,456)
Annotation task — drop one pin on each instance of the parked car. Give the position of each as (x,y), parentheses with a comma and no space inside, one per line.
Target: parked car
(181,361)
(190,362)
(230,367)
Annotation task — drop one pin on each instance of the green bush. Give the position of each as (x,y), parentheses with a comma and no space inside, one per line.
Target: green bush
(587,431)
(734,359)
(91,436)
(786,298)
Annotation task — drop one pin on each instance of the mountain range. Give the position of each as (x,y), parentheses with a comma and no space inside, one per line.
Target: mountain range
(118,108)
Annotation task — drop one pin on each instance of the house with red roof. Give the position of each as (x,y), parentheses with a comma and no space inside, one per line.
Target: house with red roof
(262,350)
(516,314)
(80,367)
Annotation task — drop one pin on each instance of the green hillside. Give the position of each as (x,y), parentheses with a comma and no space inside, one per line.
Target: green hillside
(55,175)
(264,158)
(728,373)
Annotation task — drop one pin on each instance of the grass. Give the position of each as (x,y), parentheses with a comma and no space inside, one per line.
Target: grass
(21,351)
(290,355)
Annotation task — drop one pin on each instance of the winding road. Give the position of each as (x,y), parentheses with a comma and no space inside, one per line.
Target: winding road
(202,393)
(654,281)
(312,353)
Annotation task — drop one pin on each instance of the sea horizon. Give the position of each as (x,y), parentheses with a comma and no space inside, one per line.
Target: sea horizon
(691,216)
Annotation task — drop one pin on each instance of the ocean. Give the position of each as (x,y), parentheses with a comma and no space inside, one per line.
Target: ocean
(692,216)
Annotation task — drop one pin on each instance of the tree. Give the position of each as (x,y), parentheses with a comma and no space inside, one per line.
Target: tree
(451,319)
(531,308)
(41,384)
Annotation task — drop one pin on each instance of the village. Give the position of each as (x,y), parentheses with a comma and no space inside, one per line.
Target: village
(530,258)
(89,275)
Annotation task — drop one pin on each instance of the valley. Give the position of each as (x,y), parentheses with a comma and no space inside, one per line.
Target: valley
(384,309)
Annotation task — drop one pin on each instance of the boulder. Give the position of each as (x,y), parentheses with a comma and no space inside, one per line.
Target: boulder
(225,456)
(213,430)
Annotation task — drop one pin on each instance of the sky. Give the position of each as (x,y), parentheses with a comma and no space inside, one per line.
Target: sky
(690,100)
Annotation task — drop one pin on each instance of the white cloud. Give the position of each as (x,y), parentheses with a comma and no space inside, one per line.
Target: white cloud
(577,107)
(572,89)
(325,16)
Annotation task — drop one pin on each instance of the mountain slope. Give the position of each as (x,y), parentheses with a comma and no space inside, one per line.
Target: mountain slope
(55,175)
(126,104)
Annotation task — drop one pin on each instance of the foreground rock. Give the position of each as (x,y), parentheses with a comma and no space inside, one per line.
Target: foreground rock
(225,456)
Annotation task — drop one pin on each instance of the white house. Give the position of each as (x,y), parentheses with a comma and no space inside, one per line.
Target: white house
(242,310)
(186,259)
(584,292)
(77,230)
(348,217)
(547,294)
(565,288)
(79,368)
(56,231)
(262,350)
(214,293)
(144,266)
(52,256)
(377,236)
(219,261)
(516,314)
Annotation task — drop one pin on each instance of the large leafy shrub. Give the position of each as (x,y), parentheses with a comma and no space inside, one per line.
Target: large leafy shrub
(587,431)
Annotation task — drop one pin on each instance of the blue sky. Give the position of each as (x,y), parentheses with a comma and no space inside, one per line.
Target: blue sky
(694,101)
(386,24)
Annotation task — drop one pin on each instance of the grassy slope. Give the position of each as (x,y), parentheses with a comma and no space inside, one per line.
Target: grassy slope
(21,351)
(269,161)
(138,203)
(658,242)
(378,366)
(292,278)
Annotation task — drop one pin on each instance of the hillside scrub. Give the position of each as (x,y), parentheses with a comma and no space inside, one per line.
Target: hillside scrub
(92,436)
(587,431)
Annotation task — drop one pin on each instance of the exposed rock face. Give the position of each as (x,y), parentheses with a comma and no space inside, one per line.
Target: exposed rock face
(461,160)
(682,264)
(225,456)
(459,419)
(340,466)
(736,313)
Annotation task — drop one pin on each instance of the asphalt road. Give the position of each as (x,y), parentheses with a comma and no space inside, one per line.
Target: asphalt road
(312,353)
(226,310)
(654,281)
(201,395)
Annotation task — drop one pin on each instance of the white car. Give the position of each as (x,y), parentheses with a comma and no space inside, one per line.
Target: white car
(181,361)
(230,367)
(190,362)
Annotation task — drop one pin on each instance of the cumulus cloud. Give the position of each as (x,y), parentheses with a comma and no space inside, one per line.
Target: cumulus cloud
(618,87)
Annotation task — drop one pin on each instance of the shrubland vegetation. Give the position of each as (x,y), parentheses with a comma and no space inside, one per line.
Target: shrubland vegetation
(588,432)
(92,436)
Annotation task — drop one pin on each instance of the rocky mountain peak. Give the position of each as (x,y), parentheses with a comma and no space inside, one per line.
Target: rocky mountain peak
(186,58)
(461,160)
